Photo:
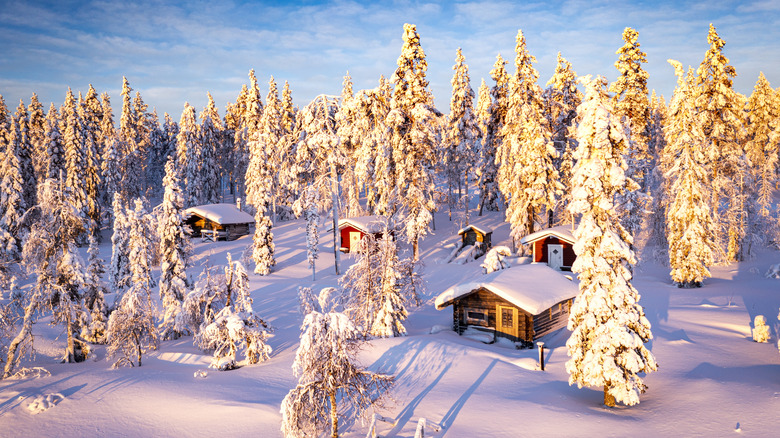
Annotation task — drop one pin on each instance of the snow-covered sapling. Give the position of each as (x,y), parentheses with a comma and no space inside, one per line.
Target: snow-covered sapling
(494,260)
(760,329)
(328,371)
(235,326)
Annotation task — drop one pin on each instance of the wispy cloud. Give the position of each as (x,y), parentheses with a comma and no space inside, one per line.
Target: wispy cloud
(174,52)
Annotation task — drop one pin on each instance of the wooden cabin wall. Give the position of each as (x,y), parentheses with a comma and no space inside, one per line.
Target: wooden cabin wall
(554,318)
(484,299)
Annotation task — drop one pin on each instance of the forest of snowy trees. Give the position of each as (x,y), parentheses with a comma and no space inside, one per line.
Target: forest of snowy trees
(693,175)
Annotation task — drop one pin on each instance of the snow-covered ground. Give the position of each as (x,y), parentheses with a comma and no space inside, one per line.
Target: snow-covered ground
(713,380)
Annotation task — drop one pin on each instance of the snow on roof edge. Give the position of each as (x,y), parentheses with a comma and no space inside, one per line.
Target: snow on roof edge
(224,214)
(480,229)
(561,231)
(533,288)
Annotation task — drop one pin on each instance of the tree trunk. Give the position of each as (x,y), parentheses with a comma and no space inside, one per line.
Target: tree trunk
(609,399)
(70,351)
(334,416)
(416,249)
(24,333)
(138,347)
(335,209)
(467,199)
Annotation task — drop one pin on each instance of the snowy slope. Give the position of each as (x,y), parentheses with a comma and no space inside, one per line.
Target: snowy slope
(711,378)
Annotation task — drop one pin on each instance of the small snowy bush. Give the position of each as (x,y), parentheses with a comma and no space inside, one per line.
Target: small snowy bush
(494,260)
(774,271)
(760,329)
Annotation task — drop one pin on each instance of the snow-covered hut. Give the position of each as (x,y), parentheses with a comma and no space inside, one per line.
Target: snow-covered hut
(219,221)
(554,246)
(471,234)
(522,303)
(353,229)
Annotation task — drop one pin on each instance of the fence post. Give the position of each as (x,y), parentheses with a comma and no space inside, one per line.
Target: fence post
(541,354)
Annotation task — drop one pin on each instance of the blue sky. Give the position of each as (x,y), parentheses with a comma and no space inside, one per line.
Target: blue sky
(175,51)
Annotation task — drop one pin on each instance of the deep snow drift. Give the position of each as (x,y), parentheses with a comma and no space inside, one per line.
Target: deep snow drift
(712,379)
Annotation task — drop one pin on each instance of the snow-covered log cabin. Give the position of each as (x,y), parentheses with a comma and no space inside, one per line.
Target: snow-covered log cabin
(522,303)
(219,221)
(554,246)
(471,234)
(353,229)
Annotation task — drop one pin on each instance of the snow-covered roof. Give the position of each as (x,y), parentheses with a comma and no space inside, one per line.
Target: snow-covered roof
(562,232)
(366,224)
(482,230)
(533,288)
(223,214)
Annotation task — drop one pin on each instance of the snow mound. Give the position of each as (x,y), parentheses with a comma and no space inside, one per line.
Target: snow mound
(30,373)
(44,402)
(439,328)
(478,335)
(201,374)
(185,358)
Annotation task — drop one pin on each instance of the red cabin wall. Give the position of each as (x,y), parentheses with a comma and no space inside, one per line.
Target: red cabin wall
(540,250)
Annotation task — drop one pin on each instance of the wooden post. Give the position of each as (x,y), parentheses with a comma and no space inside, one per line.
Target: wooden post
(541,354)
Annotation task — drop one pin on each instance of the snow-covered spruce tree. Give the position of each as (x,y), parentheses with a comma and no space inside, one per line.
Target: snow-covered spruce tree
(656,182)
(526,174)
(631,101)
(200,305)
(12,204)
(118,272)
(270,134)
(127,164)
(188,156)
(258,191)
(608,325)
(346,119)
(24,152)
(360,283)
(762,148)
(721,114)
(287,114)
(211,142)
(146,123)
(112,145)
(37,129)
(94,328)
(318,157)
(131,327)
(391,310)
(176,249)
(561,100)
(760,329)
(360,122)
(412,123)
(235,326)
(307,206)
(490,195)
(688,218)
(250,109)
(50,252)
(462,136)
(328,372)
(91,113)
(74,142)
(55,153)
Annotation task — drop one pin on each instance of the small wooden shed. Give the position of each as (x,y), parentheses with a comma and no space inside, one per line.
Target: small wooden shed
(522,303)
(353,229)
(554,246)
(224,221)
(471,234)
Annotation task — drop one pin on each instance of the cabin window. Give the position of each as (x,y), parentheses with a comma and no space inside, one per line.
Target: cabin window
(507,318)
(476,316)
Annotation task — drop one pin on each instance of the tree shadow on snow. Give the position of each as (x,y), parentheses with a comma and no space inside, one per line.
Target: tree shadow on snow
(756,375)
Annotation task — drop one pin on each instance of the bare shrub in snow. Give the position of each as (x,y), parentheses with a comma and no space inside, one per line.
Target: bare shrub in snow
(328,371)
(760,329)
(494,260)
